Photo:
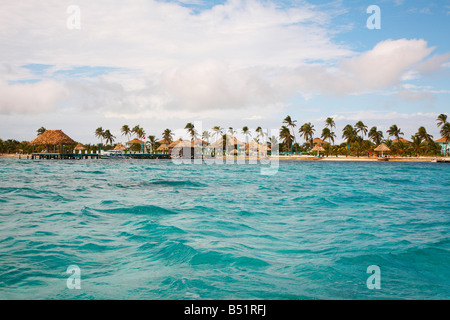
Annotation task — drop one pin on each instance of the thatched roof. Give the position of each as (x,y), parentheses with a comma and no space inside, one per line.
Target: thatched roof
(232,140)
(174,143)
(135,140)
(164,141)
(163,147)
(318,147)
(401,139)
(180,143)
(382,147)
(79,147)
(200,141)
(119,147)
(52,137)
(318,140)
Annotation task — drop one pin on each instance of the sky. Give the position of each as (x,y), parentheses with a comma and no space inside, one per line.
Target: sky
(77,65)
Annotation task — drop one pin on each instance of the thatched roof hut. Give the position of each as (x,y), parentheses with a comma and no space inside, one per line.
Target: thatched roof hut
(52,138)
(120,147)
(382,148)
(318,148)
(164,141)
(175,143)
(163,147)
(80,147)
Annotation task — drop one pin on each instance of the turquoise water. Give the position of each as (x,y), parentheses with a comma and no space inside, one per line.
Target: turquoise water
(143,229)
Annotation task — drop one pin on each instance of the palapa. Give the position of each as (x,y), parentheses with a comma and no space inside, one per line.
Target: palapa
(163,147)
(382,147)
(120,147)
(53,138)
(79,147)
(318,148)
(175,143)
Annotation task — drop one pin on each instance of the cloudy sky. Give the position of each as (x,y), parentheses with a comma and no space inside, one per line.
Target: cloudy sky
(161,64)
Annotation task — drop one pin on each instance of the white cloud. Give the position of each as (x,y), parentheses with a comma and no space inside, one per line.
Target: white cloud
(30,98)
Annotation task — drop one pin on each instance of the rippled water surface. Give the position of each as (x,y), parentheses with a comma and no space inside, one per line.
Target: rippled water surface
(143,229)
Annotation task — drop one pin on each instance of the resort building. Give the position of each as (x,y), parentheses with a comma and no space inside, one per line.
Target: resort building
(445,146)
(135,140)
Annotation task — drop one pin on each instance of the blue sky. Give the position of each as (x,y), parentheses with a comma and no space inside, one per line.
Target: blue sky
(161,64)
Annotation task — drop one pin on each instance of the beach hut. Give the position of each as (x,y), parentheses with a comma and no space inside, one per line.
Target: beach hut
(173,144)
(164,142)
(80,148)
(53,138)
(163,148)
(318,148)
(382,148)
(120,147)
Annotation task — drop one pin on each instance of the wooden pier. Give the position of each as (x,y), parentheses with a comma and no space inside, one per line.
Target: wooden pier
(78,156)
(147,156)
(71,156)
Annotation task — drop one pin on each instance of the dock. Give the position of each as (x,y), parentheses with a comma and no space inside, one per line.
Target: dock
(58,155)
(147,156)
(78,156)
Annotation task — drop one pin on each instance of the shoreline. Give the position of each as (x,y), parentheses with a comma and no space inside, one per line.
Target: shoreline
(301,158)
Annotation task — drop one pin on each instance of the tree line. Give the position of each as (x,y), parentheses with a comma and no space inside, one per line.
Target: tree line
(358,139)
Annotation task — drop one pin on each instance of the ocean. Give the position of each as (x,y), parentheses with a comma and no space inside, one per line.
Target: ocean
(152,229)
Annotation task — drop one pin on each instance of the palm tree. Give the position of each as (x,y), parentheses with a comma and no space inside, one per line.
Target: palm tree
(360,127)
(140,133)
(441,119)
(286,137)
(206,136)
(40,131)
(246,132)
(328,134)
(423,134)
(291,124)
(126,131)
(217,131)
(307,131)
(167,135)
(329,122)
(395,131)
(349,134)
(191,130)
(109,138)
(260,133)
(137,130)
(232,131)
(152,142)
(100,134)
(416,144)
(375,135)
